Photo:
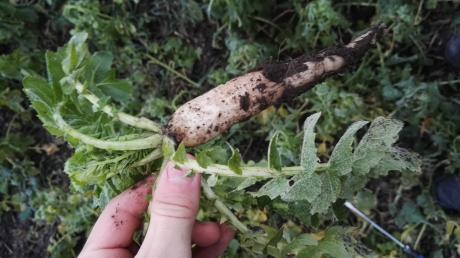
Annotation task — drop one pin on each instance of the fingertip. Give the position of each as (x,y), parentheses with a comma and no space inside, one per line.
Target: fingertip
(218,248)
(227,233)
(121,218)
(206,233)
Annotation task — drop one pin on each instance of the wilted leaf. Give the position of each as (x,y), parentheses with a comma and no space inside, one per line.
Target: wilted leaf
(397,159)
(382,134)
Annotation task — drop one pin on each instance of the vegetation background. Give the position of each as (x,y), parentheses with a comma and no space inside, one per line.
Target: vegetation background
(172,51)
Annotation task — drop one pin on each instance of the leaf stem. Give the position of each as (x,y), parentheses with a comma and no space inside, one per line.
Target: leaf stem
(419,237)
(149,142)
(220,206)
(261,172)
(138,122)
(154,155)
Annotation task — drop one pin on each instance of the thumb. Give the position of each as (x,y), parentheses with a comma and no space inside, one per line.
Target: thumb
(173,210)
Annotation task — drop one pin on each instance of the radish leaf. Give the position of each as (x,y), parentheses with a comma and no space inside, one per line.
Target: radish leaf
(180,156)
(341,160)
(308,159)
(274,158)
(234,163)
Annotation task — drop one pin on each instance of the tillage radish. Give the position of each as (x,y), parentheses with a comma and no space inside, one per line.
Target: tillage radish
(211,114)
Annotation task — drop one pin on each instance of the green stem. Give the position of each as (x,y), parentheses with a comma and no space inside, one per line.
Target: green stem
(154,155)
(167,67)
(150,142)
(419,237)
(448,82)
(261,172)
(220,206)
(138,122)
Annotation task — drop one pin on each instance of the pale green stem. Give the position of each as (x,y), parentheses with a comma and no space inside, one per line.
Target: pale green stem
(419,237)
(221,207)
(150,142)
(138,122)
(261,172)
(154,155)
(448,82)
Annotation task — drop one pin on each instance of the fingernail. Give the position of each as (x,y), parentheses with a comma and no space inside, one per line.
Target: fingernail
(177,175)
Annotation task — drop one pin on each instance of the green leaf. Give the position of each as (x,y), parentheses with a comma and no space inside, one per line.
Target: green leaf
(332,245)
(341,161)
(167,148)
(365,200)
(180,156)
(203,158)
(273,188)
(76,51)
(397,159)
(299,243)
(54,69)
(100,65)
(409,214)
(374,145)
(330,190)
(119,90)
(43,101)
(274,157)
(11,99)
(352,184)
(108,172)
(234,163)
(247,182)
(305,187)
(308,159)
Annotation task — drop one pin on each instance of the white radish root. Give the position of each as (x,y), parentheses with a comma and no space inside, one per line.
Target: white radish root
(213,113)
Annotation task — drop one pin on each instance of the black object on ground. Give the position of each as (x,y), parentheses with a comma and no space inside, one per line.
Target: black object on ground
(453,51)
(447,192)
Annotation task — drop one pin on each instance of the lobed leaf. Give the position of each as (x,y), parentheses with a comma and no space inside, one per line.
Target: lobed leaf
(397,159)
(375,144)
(308,159)
(341,161)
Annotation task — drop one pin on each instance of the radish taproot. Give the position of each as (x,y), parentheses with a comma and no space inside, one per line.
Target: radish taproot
(213,113)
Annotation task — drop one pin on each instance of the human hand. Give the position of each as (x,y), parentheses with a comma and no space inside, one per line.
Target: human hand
(172,229)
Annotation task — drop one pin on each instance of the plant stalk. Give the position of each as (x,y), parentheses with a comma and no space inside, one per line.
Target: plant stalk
(138,122)
(150,142)
(260,172)
(220,206)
